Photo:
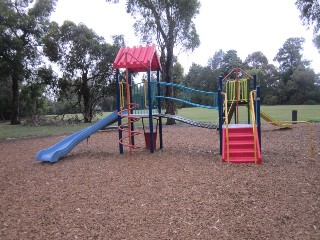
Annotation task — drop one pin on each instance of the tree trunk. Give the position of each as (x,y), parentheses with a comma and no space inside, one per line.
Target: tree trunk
(15,118)
(170,104)
(88,115)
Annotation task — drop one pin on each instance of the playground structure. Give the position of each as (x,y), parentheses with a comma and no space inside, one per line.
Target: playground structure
(239,142)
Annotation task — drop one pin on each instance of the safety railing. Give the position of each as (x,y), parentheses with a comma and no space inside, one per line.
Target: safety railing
(241,94)
(225,102)
(253,120)
(189,96)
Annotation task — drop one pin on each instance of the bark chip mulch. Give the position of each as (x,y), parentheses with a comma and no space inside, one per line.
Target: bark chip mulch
(183,191)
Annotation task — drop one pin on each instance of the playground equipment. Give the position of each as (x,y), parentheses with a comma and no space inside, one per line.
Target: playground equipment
(239,142)
(62,148)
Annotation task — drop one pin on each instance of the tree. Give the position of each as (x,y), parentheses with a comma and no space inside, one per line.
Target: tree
(230,61)
(310,15)
(289,57)
(169,23)
(202,78)
(5,96)
(217,60)
(86,62)
(267,76)
(300,87)
(22,23)
(297,79)
(256,60)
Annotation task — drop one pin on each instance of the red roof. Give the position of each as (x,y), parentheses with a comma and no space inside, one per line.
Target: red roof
(138,59)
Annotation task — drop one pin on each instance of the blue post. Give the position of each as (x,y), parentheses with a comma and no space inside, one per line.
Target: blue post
(254,81)
(258,115)
(159,108)
(220,118)
(131,111)
(220,82)
(118,109)
(150,112)
(220,111)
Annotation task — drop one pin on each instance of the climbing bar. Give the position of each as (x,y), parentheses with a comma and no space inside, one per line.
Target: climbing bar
(242,90)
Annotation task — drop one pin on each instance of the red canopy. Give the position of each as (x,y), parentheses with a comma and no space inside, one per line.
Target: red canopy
(138,59)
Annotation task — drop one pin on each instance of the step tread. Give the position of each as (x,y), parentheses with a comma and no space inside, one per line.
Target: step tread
(242,159)
(247,142)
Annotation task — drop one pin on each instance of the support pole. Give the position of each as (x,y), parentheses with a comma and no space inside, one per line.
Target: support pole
(220,110)
(248,100)
(131,111)
(159,108)
(118,109)
(150,111)
(236,119)
(258,115)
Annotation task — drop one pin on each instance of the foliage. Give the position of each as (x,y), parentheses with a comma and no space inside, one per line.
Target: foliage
(21,27)
(32,101)
(297,80)
(86,62)
(310,16)
(170,24)
(230,61)
(5,97)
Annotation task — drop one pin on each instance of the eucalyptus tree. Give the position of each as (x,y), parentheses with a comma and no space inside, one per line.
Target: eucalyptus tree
(85,60)
(256,60)
(230,61)
(22,24)
(295,73)
(216,61)
(310,16)
(289,57)
(170,24)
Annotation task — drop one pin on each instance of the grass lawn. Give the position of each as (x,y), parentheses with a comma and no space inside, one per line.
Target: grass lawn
(280,113)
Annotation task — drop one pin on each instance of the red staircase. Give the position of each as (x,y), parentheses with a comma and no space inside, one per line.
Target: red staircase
(241,145)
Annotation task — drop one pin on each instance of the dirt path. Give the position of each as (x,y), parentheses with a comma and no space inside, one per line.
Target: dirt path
(180,192)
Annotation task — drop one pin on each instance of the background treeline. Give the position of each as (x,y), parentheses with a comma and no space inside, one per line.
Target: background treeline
(50,69)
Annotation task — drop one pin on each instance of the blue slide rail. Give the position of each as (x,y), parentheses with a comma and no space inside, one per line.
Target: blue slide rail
(62,148)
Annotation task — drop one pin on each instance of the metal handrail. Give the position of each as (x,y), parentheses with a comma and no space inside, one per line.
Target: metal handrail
(226,123)
(253,119)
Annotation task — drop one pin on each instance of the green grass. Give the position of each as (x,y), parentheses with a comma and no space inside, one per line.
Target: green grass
(8,131)
(280,113)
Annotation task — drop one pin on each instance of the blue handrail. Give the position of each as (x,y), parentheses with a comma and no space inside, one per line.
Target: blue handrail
(186,95)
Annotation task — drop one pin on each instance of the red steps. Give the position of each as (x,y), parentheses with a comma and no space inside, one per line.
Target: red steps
(241,145)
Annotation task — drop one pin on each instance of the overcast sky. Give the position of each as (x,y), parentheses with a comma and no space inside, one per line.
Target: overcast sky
(246,26)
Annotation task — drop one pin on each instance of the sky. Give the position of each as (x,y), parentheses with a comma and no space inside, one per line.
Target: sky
(245,26)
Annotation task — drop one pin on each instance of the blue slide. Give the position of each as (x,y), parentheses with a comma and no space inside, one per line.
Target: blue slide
(63,147)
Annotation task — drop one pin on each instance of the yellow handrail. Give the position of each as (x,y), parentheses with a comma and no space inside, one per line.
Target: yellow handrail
(233,102)
(226,123)
(253,119)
